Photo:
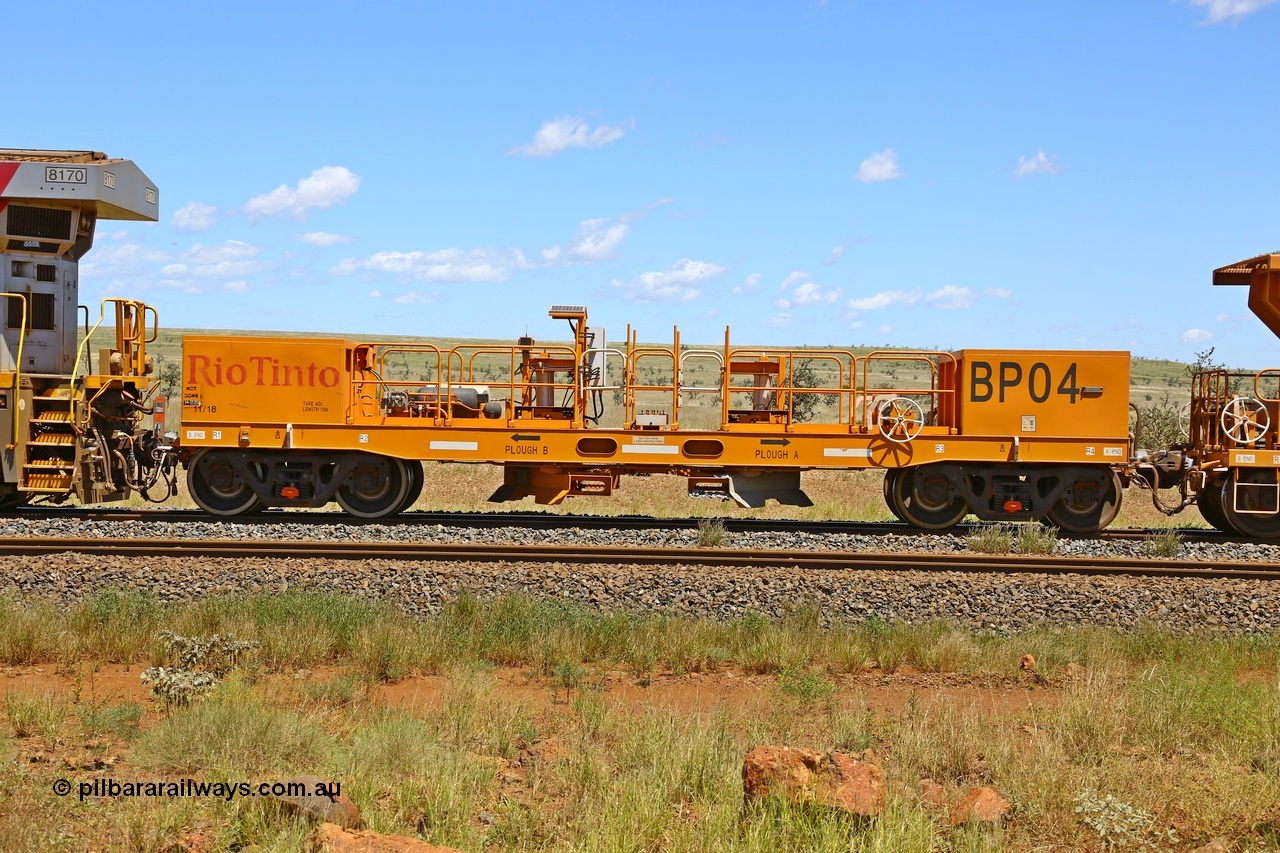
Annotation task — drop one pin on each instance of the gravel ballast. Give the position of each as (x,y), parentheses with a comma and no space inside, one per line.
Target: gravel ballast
(1000,603)
(616,537)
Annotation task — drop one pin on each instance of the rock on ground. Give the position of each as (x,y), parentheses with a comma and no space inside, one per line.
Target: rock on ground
(337,810)
(331,838)
(979,805)
(809,776)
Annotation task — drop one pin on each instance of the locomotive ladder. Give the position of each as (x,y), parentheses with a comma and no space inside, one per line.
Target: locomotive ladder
(49,455)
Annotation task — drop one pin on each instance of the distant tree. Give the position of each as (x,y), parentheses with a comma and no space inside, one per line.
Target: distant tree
(804,406)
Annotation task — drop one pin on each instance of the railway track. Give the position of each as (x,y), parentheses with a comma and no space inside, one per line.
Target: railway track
(553,521)
(702,557)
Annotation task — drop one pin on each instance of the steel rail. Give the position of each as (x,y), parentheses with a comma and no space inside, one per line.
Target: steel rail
(556,521)
(706,557)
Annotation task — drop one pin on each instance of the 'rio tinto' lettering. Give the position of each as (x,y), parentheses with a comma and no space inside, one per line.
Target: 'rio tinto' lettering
(261,371)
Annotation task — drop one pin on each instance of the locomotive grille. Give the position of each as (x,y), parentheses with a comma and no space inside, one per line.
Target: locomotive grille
(42,310)
(43,222)
(46,272)
(33,246)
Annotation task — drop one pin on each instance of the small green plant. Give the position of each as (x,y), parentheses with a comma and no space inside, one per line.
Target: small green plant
(567,675)
(808,686)
(1120,825)
(119,721)
(202,661)
(337,692)
(993,539)
(1036,539)
(35,715)
(591,709)
(1164,544)
(711,533)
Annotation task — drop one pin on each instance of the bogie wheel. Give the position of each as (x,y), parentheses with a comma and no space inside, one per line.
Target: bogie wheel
(890,476)
(924,499)
(416,480)
(376,488)
(1088,506)
(1249,503)
(217,488)
(1209,502)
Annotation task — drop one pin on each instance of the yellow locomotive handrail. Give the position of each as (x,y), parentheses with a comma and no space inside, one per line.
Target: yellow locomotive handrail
(17,367)
(138,338)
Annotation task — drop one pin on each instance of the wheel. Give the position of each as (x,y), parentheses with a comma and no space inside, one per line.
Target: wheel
(1209,502)
(889,477)
(1249,503)
(216,486)
(376,488)
(900,419)
(1088,505)
(1184,421)
(1245,420)
(414,470)
(923,498)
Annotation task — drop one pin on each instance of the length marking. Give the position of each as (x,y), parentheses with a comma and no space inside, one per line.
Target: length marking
(855,452)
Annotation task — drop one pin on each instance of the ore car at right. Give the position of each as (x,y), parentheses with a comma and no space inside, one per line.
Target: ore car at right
(1229,464)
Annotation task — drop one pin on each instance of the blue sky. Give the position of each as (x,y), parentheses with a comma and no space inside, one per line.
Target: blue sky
(1021,174)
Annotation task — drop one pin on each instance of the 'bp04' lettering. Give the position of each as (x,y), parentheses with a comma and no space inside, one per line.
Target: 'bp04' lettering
(987,381)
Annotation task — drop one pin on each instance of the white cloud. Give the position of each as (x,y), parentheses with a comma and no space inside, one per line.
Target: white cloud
(569,132)
(232,259)
(884,330)
(802,291)
(1196,336)
(1037,164)
(681,282)
(231,250)
(236,286)
(884,299)
(322,239)
(951,298)
(881,166)
(1218,11)
(836,252)
(325,187)
(596,240)
(751,284)
(1222,318)
(195,216)
(779,320)
(792,280)
(415,298)
(375,294)
(814,294)
(998,292)
(443,265)
(125,254)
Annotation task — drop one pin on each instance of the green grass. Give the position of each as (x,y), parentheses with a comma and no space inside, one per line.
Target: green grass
(1166,726)
(1014,538)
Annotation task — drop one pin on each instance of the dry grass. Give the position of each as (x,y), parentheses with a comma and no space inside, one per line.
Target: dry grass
(1160,733)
